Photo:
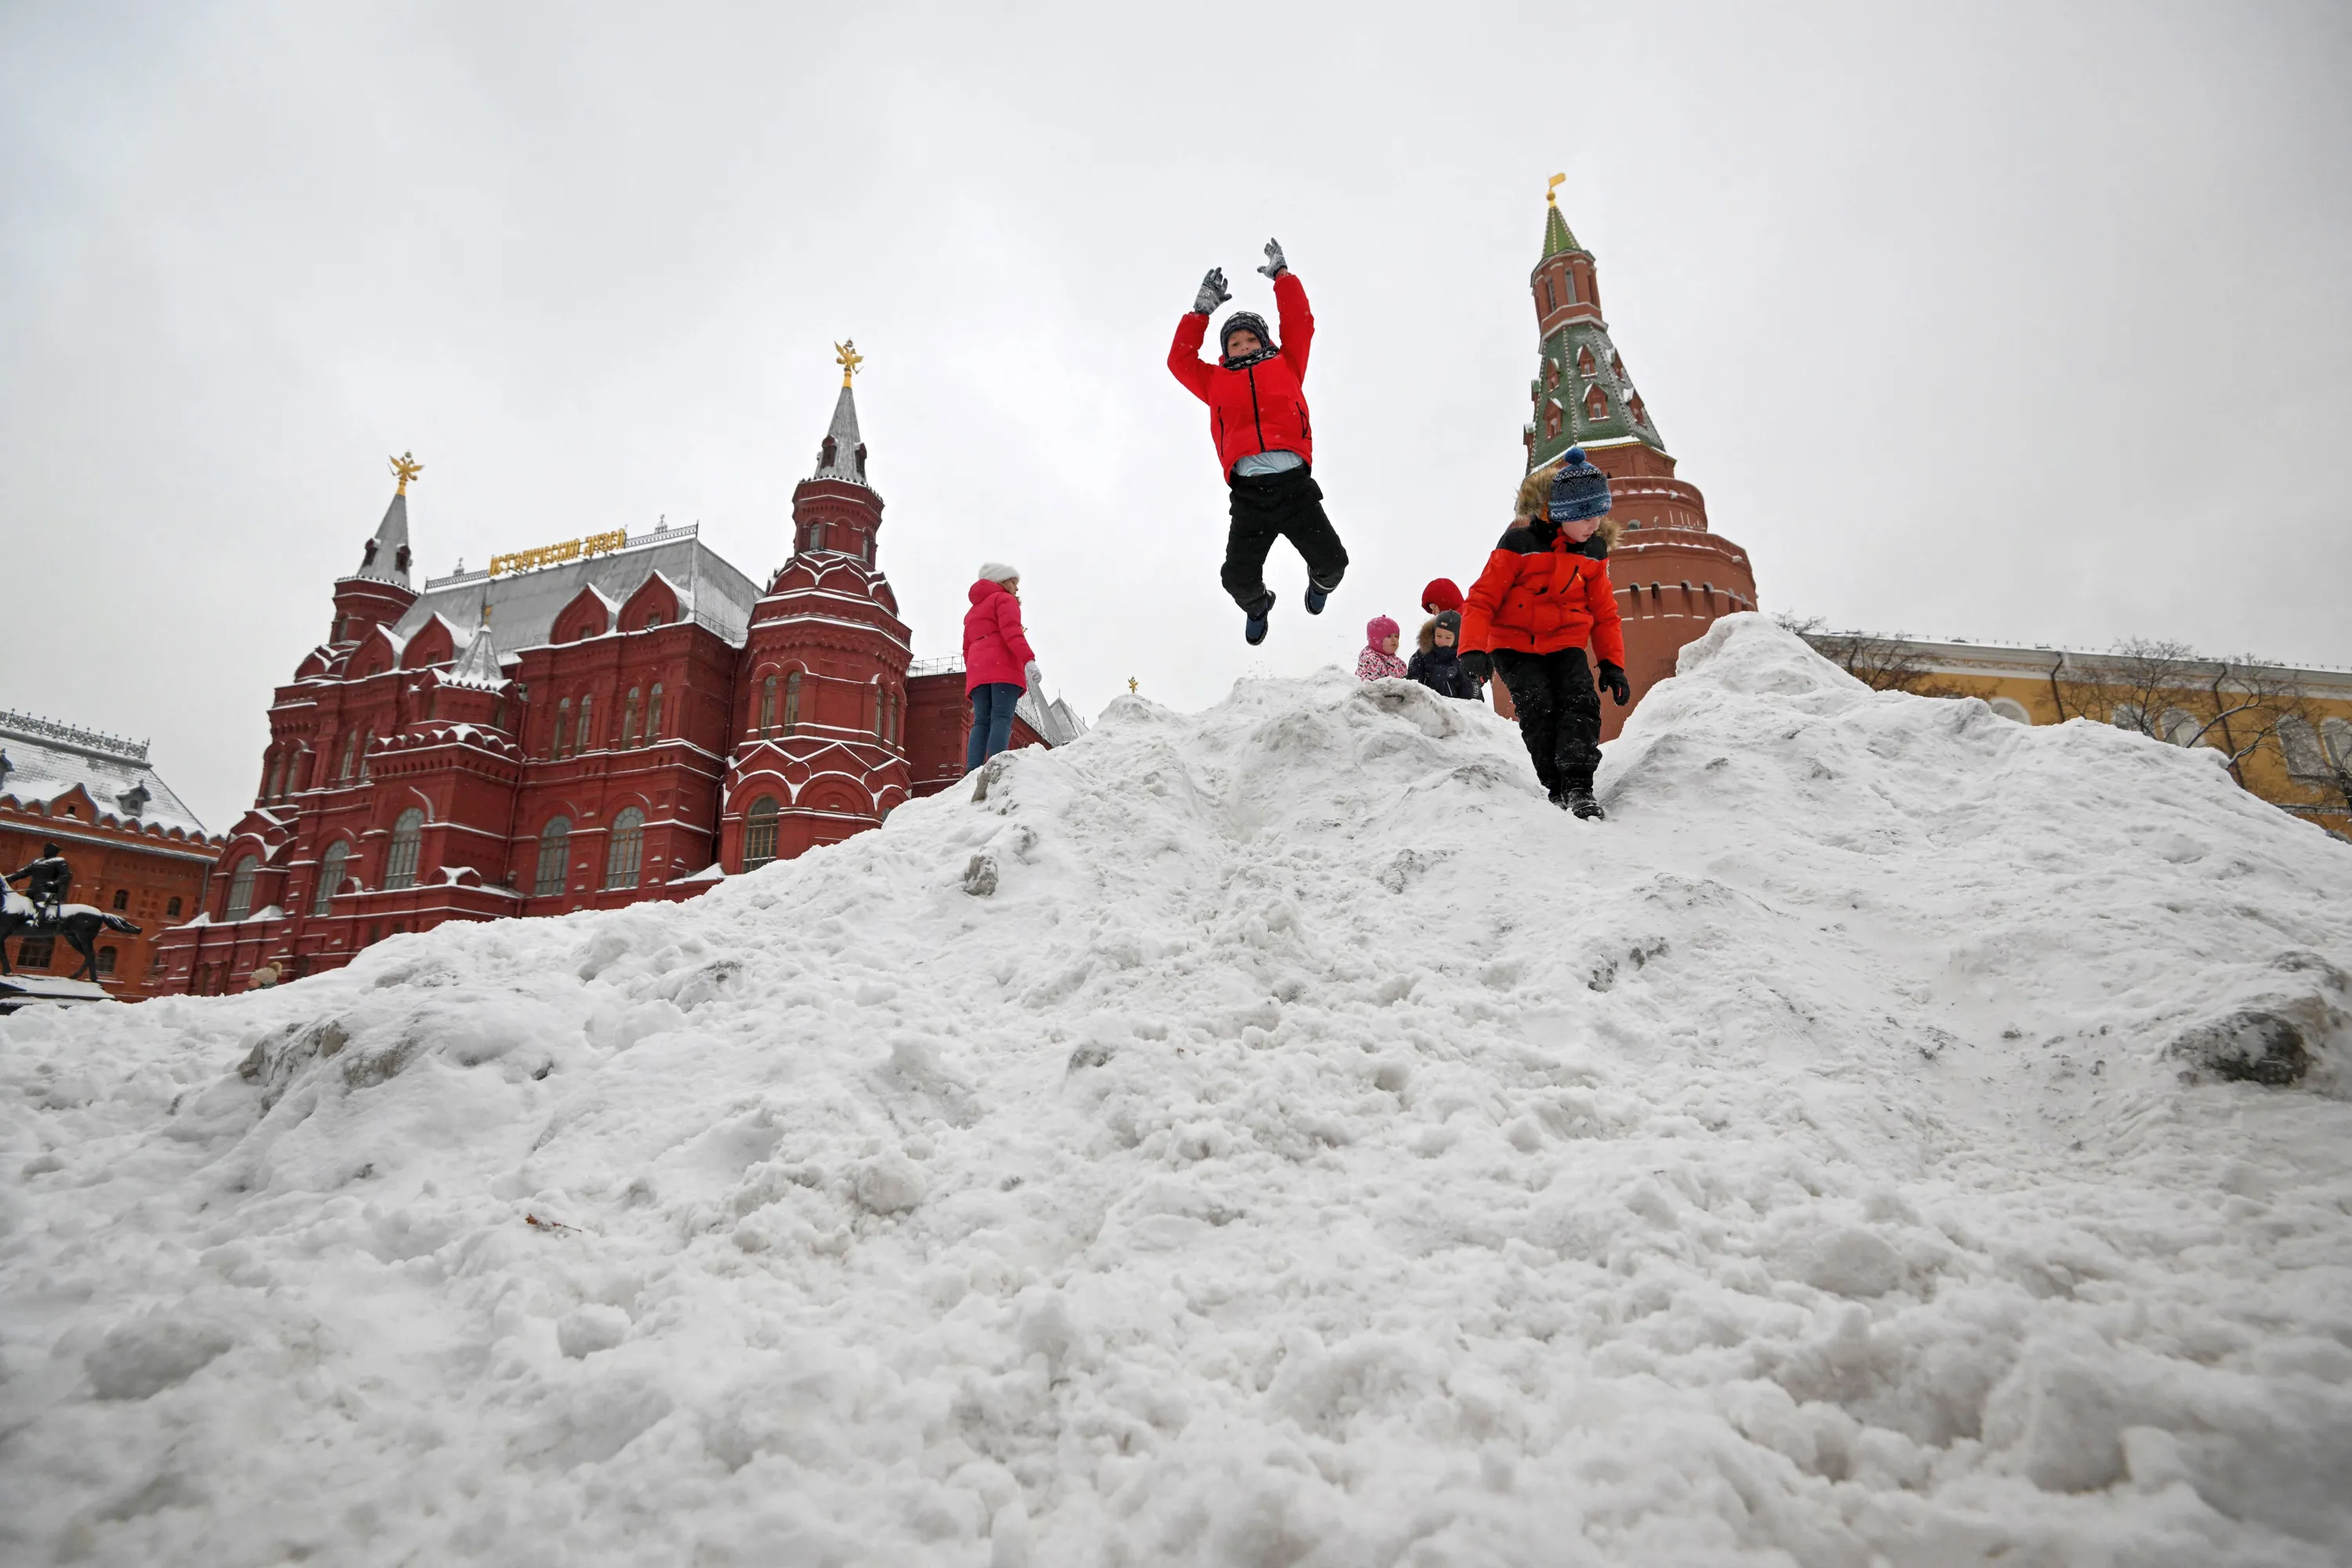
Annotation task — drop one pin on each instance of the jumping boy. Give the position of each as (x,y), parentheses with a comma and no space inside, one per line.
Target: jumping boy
(1544,595)
(1265,442)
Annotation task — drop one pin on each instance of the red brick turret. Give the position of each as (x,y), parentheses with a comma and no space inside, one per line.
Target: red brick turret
(1674,577)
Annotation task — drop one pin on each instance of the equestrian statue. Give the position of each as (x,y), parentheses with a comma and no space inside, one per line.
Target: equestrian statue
(41,910)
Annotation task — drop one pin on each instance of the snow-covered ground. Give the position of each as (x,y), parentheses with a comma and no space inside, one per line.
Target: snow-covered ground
(1268,1136)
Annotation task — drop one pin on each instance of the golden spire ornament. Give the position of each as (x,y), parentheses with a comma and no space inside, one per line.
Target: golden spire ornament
(1552,190)
(406,467)
(1133,685)
(846,355)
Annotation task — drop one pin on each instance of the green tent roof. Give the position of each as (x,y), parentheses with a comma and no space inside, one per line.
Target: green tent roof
(1557,239)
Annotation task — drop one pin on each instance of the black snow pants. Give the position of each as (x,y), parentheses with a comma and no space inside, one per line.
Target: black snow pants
(1559,712)
(1266,506)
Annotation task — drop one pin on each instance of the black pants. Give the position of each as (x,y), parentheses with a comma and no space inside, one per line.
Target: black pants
(1559,712)
(1266,506)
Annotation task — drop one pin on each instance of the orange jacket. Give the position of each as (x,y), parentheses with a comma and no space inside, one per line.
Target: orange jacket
(1539,594)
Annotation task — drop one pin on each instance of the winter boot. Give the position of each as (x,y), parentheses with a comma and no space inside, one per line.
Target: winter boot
(1317,595)
(1578,798)
(1253,629)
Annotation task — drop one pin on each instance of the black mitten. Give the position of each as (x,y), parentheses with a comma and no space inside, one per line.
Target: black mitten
(1478,667)
(1612,680)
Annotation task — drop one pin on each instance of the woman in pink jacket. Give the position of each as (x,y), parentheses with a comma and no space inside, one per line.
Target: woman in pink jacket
(997,663)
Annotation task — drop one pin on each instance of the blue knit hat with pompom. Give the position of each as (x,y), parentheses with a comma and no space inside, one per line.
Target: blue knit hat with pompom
(1579,489)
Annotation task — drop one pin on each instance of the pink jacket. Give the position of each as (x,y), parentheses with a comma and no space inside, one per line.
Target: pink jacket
(994,651)
(1372,663)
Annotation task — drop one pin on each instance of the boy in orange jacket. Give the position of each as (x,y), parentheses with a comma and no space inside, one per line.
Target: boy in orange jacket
(1544,593)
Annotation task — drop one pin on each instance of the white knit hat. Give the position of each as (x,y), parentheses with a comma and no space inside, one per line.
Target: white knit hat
(998,572)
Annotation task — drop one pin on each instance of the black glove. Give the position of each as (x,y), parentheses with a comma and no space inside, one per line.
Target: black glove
(1612,680)
(1275,265)
(1478,667)
(1212,292)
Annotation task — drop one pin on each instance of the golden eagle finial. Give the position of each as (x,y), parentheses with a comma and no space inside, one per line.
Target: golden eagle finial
(846,355)
(406,467)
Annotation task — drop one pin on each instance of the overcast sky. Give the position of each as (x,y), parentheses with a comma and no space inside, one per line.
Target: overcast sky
(2017,323)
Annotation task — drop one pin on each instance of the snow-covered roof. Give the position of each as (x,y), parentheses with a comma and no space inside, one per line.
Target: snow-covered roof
(46,759)
(524,605)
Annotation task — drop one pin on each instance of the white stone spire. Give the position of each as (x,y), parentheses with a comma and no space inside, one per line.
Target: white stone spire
(842,455)
(386,559)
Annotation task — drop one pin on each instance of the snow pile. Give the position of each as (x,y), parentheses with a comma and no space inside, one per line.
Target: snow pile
(1274,1136)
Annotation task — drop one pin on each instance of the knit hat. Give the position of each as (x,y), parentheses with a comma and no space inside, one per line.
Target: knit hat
(1579,489)
(1442,594)
(998,572)
(1241,321)
(1378,630)
(1450,621)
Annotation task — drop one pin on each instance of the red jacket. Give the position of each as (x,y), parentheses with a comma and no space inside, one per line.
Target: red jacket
(994,651)
(1258,408)
(1540,598)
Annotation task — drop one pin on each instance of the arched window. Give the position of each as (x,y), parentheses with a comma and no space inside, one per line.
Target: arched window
(1551,372)
(2180,727)
(330,877)
(2010,709)
(1552,417)
(1550,302)
(106,961)
(171,910)
(554,857)
(767,707)
(652,620)
(2336,735)
(276,786)
(351,754)
(2128,716)
(1596,404)
(561,745)
(407,839)
(629,719)
(759,833)
(365,736)
(652,713)
(792,702)
(587,733)
(240,889)
(1584,361)
(626,849)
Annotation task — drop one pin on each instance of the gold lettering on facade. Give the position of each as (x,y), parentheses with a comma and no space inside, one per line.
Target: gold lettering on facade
(557,554)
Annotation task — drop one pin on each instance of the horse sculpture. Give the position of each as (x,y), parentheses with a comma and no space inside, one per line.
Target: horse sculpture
(77,923)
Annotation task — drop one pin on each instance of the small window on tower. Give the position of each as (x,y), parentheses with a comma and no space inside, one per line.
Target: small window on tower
(767,707)
(171,910)
(122,898)
(793,703)
(1552,417)
(1585,364)
(1551,372)
(1596,405)
(652,713)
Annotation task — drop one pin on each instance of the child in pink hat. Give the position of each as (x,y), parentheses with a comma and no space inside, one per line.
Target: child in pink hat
(1379,660)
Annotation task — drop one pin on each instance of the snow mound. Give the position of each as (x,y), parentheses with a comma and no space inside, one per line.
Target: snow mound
(1275,1136)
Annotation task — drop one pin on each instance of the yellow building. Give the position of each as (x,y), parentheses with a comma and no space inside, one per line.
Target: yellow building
(2286,732)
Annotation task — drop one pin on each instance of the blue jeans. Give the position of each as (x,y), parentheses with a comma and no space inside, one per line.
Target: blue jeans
(992,721)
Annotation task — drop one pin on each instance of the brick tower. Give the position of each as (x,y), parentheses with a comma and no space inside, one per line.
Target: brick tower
(821,699)
(1674,578)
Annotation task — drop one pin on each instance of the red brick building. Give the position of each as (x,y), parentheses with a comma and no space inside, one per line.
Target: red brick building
(135,848)
(1674,577)
(582,725)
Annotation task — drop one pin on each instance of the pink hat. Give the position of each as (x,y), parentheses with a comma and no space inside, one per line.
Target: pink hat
(1378,630)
